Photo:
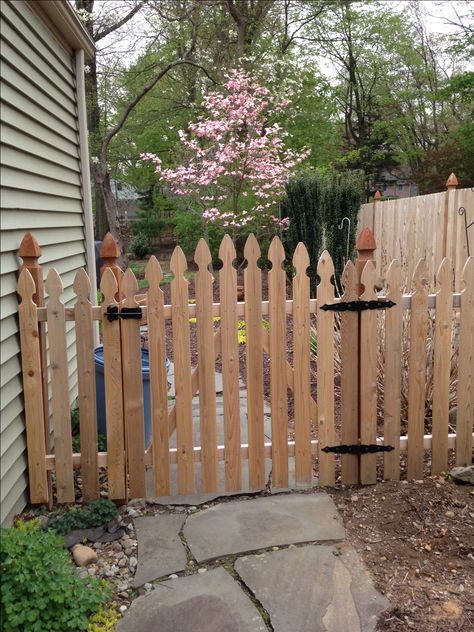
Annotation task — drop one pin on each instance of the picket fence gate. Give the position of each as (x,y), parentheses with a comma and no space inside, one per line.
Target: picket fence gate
(126,460)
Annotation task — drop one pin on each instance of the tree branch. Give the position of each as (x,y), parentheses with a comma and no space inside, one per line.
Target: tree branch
(100,34)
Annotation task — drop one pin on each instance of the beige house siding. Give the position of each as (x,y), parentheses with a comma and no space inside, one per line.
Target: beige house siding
(41,192)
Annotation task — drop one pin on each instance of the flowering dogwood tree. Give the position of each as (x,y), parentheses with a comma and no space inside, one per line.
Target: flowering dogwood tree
(235,163)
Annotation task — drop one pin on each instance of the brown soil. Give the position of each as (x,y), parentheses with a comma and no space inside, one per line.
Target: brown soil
(417,540)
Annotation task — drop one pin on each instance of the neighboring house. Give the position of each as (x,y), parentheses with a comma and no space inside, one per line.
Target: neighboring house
(127,198)
(45,188)
(396,183)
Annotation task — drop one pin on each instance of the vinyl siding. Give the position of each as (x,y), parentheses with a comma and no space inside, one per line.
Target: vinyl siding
(41,192)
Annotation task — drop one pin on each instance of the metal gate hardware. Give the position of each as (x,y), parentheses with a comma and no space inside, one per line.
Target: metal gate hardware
(357,306)
(357,448)
(113,313)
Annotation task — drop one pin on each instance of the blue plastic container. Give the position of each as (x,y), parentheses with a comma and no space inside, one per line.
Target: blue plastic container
(100,392)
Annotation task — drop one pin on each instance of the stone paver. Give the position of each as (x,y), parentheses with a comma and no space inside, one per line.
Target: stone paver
(211,602)
(160,550)
(247,525)
(313,589)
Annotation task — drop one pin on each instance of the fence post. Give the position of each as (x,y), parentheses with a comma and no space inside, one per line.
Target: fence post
(30,252)
(110,255)
(449,235)
(365,246)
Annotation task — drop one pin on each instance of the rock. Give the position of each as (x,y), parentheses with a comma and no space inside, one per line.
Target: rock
(463,474)
(43,522)
(148,586)
(112,536)
(173,576)
(82,572)
(123,608)
(138,502)
(202,570)
(83,555)
(133,513)
(128,552)
(122,562)
(76,536)
(132,563)
(122,587)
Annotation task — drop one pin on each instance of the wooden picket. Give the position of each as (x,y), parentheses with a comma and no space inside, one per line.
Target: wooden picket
(206,376)
(182,373)
(417,371)
(230,365)
(254,350)
(465,408)
(361,334)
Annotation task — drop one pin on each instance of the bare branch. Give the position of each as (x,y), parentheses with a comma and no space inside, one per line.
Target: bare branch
(100,34)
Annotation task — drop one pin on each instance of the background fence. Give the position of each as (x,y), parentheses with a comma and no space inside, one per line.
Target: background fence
(356,339)
(426,226)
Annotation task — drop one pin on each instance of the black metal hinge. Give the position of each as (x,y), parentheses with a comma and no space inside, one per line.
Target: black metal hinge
(113,313)
(357,306)
(358,448)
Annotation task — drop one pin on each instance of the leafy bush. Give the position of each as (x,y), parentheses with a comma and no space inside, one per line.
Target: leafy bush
(140,245)
(40,588)
(94,514)
(101,443)
(104,620)
(27,525)
(189,230)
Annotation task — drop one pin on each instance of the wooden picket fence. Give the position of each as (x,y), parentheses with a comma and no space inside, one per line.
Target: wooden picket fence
(426,226)
(316,424)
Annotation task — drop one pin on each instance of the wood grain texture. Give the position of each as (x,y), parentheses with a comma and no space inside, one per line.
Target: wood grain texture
(368,377)
(442,368)
(182,372)
(254,364)
(417,371)
(301,363)
(465,412)
(158,379)
(60,389)
(206,369)
(393,372)
(230,365)
(350,377)
(86,386)
(32,390)
(278,390)
(325,370)
(116,462)
(133,390)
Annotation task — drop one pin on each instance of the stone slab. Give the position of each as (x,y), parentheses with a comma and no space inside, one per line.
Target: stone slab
(211,602)
(249,525)
(160,550)
(313,589)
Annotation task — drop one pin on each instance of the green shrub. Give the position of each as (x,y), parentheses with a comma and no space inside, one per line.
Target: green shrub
(104,620)
(27,525)
(140,245)
(40,588)
(94,514)
(101,443)
(316,202)
(189,230)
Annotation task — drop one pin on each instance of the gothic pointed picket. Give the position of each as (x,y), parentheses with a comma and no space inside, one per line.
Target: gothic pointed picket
(301,362)
(278,381)
(158,379)
(182,372)
(325,370)
(254,352)
(465,408)
(368,377)
(60,388)
(230,364)
(349,377)
(86,386)
(206,374)
(393,372)
(32,389)
(442,367)
(114,416)
(417,371)
(133,389)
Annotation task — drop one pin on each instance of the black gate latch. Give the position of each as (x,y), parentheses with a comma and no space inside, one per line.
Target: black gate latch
(358,448)
(113,313)
(357,306)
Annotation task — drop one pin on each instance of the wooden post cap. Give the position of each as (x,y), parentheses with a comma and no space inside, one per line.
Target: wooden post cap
(366,241)
(377,196)
(109,248)
(451,182)
(29,249)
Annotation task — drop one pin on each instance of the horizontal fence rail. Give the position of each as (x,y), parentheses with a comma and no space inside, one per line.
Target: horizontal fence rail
(366,364)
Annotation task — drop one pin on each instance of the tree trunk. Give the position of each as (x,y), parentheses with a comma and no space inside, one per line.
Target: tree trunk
(104,188)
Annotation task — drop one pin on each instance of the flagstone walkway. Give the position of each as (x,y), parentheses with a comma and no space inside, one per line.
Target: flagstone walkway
(275,562)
